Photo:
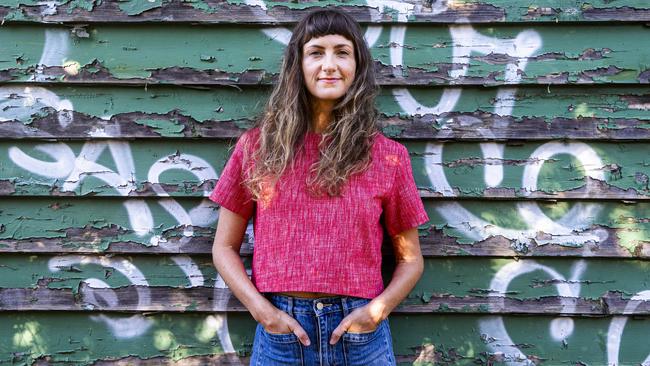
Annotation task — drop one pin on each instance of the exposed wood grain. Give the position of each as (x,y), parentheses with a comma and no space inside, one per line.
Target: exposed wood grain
(226,359)
(97,74)
(219,11)
(223,12)
(204,299)
(454,126)
(433,244)
(196,245)
(592,190)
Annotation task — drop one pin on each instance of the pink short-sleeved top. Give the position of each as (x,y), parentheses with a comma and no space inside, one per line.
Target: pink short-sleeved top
(323,244)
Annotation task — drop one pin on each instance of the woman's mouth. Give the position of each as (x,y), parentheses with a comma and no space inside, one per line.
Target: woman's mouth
(329,80)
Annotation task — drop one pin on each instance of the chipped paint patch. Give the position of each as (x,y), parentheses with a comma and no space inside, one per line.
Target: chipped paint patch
(137,7)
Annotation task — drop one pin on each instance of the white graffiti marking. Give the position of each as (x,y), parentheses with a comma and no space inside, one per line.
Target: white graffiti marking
(565,230)
(20,103)
(132,326)
(560,328)
(197,166)
(465,42)
(493,329)
(373,32)
(615,332)
(76,168)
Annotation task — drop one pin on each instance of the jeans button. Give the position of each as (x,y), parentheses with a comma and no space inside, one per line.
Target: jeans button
(319,306)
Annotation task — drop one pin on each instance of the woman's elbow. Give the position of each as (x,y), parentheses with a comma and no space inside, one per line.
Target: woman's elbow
(419,266)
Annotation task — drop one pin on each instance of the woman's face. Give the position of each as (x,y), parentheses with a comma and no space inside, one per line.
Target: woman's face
(328,66)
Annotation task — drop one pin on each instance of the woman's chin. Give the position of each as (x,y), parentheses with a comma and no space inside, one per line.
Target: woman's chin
(328,96)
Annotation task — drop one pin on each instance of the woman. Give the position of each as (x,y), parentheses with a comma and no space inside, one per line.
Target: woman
(318,176)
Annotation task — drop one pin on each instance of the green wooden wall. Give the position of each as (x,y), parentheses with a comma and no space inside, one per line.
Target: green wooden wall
(527,124)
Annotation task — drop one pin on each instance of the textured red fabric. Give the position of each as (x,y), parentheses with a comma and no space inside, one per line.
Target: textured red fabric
(323,244)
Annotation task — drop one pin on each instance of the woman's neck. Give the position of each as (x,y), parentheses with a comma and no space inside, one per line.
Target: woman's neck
(321,115)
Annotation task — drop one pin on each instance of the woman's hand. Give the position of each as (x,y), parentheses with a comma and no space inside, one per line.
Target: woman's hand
(279,322)
(361,320)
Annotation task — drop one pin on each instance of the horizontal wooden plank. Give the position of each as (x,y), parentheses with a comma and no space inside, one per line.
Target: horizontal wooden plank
(66,338)
(456,228)
(201,299)
(177,283)
(523,171)
(415,55)
(437,244)
(535,113)
(274,12)
(434,244)
(452,126)
(385,75)
(591,190)
(194,339)
(76,244)
(227,359)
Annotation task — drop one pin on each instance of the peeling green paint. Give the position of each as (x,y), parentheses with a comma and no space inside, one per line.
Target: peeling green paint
(464,167)
(15,15)
(36,215)
(202,5)
(32,272)
(565,50)
(230,104)
(79,339)
(80,225)
(87,5)
(457,340)
(145,155)
(132,7)
(450,276)
(303,5)
(624,166)
(163,127)
(630,223)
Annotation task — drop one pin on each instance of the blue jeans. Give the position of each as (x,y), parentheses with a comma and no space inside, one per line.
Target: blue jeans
(319,318)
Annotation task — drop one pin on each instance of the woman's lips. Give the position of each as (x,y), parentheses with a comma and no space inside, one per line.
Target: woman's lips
(329,80)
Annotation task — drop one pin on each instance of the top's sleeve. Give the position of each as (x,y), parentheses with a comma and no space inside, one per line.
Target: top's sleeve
(403,208)
(230,192)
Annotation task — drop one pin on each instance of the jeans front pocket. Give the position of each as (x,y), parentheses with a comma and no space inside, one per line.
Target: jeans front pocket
(368,349)
(276,349)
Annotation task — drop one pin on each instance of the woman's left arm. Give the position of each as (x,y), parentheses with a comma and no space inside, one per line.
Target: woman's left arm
(408,271)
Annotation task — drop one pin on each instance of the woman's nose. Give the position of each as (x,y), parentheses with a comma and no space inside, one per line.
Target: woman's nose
(328,63)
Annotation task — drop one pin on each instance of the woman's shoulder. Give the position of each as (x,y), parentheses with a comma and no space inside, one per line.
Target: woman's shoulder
(385,145)
(251,134)
(249,139)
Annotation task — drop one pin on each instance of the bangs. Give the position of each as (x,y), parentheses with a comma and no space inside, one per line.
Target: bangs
(326,22)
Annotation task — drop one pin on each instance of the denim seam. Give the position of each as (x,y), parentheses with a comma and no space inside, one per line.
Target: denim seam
(257,350)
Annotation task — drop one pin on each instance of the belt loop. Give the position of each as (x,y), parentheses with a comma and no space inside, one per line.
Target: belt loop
(344,304)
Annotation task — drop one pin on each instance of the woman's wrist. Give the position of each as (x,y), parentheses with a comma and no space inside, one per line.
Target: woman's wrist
(379,310)
(263,312)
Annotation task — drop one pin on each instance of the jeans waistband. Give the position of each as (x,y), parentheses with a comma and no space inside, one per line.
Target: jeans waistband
(317,306)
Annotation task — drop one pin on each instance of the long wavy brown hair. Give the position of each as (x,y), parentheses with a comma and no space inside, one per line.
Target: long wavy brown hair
(345,147)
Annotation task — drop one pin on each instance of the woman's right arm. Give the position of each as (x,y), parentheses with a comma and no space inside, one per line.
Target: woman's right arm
(225,256)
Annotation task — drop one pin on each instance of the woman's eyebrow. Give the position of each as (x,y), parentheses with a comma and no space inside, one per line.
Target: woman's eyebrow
(342,45)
